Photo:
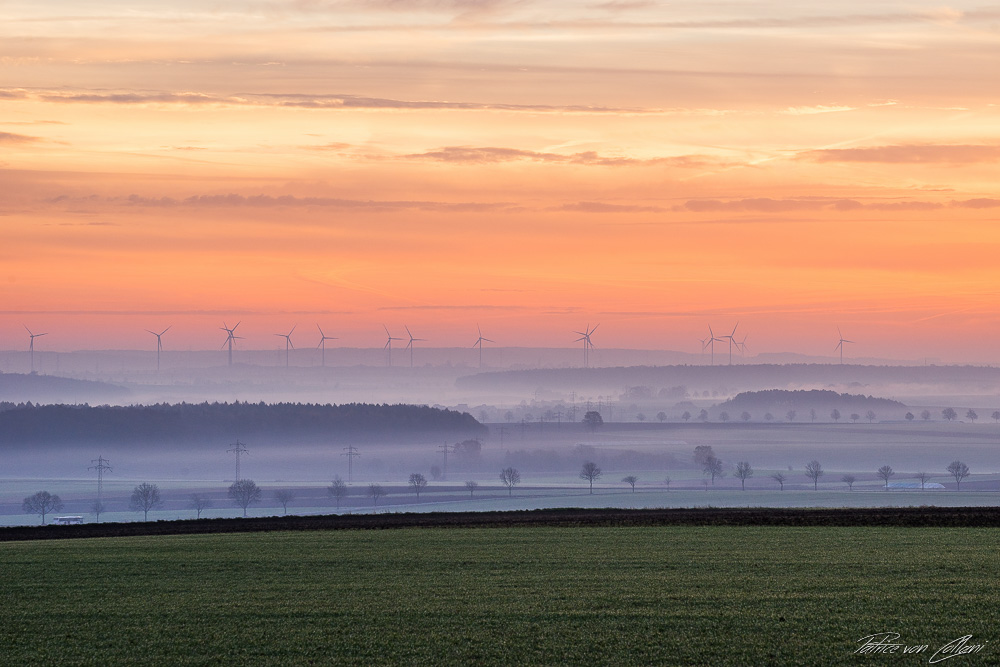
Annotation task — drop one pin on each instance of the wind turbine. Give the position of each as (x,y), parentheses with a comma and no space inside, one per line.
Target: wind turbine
(711,340)
(322,342)
(588,344)
(840,345)
(31,345)
(288,343)
(410,344)
(743,345)
(230,337)
(479,343)
(388,345)
(159,344)
(731,341)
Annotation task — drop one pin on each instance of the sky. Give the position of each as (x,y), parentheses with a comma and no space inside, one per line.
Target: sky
(531,168)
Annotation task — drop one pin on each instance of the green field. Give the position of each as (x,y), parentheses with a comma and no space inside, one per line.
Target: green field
(511,596)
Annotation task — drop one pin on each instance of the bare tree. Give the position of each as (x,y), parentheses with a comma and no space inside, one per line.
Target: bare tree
(284,496)
(835,415)
(375,491)
(884,473)
(41,503)
(337,490)
(713,468)
(661,416)
(814,471)
(768,417)
(780,479)
(98,508)
(590,473)
(849,480)
(640,417)
(666,482)
(702,453)
(925,415)
(145,497)
(703,415)
(971,415)
(855,417)
(909,416)
(870,416)
(686,416)
(959,471)
(995,416)
(949,414)
(790,415)
(745,416)
(510,478)
(812,414)
(417,483)
(200,503)
(244,492)
(923,477)
(744,472)
(723,416)
(471,486)
(631,480)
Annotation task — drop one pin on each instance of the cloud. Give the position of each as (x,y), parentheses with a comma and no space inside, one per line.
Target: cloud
(819,108)
(299,101)
(601,207)
(909,154)
(10,138)
(492,155)
(269,201)
(767,205)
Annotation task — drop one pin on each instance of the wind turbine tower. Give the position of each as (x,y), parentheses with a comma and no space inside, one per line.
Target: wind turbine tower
(322,343)
(411,342)
(840,345)
(288,343)
(479,343)
(731,341)
(710,342)
(230,338)
(388,346)
(159,345)
(588,344)
(31,345)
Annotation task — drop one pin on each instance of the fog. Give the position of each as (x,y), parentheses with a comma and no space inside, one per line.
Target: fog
(653,418)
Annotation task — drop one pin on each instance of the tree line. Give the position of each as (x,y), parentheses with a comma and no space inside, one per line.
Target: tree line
(30,423)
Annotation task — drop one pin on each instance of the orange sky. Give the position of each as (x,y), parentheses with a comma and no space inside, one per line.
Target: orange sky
(531,167)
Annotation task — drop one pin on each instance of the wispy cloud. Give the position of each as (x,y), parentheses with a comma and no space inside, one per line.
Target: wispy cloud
(269,201)
(492,155)
(602,207)
(768,205)
(11,138)
(909,154)
(298,101)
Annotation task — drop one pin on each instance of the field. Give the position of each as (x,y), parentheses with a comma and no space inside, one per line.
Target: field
(515,595)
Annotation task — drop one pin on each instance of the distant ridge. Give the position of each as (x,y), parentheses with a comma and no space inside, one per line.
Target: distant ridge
(37,388)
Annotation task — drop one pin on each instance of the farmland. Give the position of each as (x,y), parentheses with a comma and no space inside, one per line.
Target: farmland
(500,595)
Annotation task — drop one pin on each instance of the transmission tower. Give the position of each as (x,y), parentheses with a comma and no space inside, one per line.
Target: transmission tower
(100,465)
(444,450)
(238,448)
(350,452)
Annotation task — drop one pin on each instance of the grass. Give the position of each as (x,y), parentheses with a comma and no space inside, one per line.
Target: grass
(676,595)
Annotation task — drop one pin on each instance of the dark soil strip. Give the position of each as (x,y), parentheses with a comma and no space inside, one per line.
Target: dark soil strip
(972,517)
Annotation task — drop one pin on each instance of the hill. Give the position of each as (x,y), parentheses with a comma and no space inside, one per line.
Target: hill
(780,400)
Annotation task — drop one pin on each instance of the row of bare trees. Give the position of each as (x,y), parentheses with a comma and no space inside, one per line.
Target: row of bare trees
(949,414)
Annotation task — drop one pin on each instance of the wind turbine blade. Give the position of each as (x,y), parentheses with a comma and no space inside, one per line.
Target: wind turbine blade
(154,333)
(166,330)
(27,329)
(321,331)
(594,329)
(734,330)
(487,340)
(237,324)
